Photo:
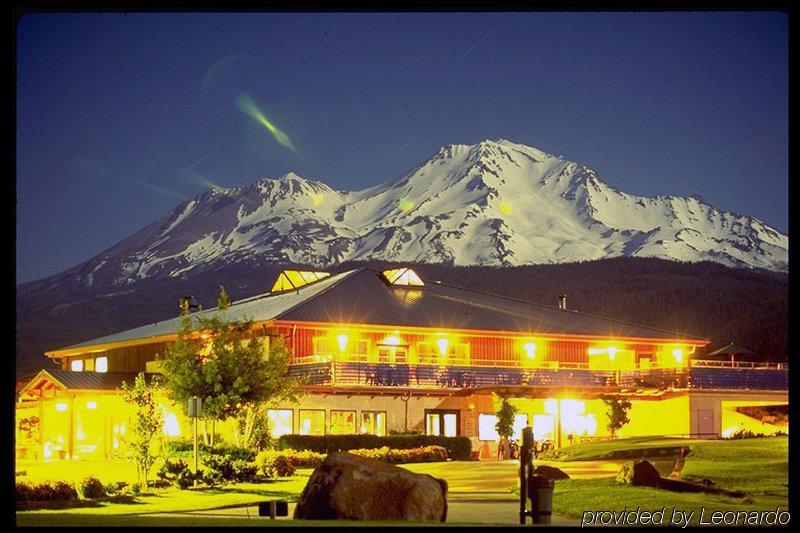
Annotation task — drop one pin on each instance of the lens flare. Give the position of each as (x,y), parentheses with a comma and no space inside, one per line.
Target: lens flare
(318,199)
(247,106)
(505,208)
(406,205)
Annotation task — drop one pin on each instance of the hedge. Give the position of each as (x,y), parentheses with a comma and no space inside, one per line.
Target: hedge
(458,448)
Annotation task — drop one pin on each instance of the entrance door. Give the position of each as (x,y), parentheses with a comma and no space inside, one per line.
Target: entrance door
(705,423)
(442,422)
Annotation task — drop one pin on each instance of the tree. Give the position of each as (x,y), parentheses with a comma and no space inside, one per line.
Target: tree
(220,361)
(148,420)
(617,412)
(505,425)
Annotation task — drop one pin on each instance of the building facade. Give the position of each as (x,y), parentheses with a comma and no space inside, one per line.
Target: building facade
(388,352)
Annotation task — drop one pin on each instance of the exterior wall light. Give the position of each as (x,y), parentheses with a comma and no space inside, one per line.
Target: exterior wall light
(443,344)
(342,340)
(91,405)
(61,406)
(678,354)
(530,349)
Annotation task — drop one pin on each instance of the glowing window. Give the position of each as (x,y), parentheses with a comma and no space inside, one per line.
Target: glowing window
(343,422)
(403,276)
(487,429)
(454,353)
(312,422)
(373,423)
(289,280)
(88,365)
(280,422)
(76,365)
(101,364)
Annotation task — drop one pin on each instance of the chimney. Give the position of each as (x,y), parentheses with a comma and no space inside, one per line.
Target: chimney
(562,302)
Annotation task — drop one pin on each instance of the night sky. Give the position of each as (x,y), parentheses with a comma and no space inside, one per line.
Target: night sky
(122,117)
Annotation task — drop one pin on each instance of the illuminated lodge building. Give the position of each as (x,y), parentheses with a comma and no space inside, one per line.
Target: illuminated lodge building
(387,351)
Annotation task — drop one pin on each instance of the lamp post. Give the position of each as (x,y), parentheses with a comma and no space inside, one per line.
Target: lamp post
(195,409)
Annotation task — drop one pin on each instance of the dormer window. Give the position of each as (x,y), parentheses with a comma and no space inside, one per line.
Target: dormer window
(290,280)
(403,276)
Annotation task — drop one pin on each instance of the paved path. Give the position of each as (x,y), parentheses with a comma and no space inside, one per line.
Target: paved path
(462,509)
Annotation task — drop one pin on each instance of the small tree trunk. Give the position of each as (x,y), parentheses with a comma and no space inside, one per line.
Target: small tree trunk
(213,430)
(205,433)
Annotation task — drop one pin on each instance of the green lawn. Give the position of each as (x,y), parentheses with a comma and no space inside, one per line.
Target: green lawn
(630,448)
(758,467)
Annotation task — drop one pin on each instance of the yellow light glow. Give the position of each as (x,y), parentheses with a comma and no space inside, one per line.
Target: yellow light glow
(61,407)
(318,198)
(392,340)
(91,405)
(342,340)
(294,279)
(402,276)
(406,205)
(249,107)
(612,352)
(729,431)
(678,354)
(596,351)
(505,208)
(443,344)
(530,349)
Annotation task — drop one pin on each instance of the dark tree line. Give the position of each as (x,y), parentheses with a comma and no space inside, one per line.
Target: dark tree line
(749,307)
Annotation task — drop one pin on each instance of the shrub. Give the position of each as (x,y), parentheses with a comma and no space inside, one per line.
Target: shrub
(244,472)
(219,467)
(184,448)
(274,463)
(176,472)
(458,448)
(136,488)
(46,492)
(427,454)
(92,488)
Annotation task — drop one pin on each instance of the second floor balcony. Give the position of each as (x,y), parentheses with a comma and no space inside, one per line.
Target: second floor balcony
(698,375)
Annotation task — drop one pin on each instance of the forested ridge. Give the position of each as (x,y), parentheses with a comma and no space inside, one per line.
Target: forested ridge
(722,304)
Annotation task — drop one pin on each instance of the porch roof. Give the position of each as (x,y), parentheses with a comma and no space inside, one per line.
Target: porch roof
(80,381)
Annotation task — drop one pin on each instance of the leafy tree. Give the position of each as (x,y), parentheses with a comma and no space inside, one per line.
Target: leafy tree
(147,421)
(617,412)
(505,425)
(220,361)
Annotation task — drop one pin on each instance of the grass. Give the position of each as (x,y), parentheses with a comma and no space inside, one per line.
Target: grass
(758,467)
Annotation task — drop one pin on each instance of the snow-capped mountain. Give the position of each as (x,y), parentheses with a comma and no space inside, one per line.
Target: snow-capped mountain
(494,203)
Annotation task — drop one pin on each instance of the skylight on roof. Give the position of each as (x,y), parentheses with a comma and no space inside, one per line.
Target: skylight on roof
(403,276)
(290,280)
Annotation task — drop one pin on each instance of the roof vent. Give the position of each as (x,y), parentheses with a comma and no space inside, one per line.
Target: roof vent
(403,276)
(290,280)
(562,302)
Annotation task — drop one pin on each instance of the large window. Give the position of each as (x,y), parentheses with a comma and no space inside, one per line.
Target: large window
(343,422)
(280,422)
(101,364)
(373,423)
(342,348)
(487,426)
(76,365)
(312,422)
(441,422)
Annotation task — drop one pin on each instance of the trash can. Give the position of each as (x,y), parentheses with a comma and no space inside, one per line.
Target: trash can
(540,491)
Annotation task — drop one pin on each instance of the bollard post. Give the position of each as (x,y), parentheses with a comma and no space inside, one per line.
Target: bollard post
(525,471)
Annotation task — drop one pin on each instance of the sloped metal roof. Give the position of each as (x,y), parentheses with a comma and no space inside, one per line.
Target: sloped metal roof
(85,380)
(363,297)
(258,308)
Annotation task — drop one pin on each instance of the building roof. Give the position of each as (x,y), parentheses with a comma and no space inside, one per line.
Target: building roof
(95,381)
(363,296)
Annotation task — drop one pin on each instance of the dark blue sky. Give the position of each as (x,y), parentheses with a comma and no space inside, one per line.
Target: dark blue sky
(120,117)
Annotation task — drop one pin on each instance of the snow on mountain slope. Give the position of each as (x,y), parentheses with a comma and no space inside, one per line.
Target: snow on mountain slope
(494,203)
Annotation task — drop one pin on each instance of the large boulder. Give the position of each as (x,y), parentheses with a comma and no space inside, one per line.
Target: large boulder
(348,487)
(640,473)
(550,472)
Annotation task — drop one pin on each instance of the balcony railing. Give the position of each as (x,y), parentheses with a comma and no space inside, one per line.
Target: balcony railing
(699,376)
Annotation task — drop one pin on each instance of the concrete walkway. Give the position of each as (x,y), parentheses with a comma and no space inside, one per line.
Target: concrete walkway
(463,508)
